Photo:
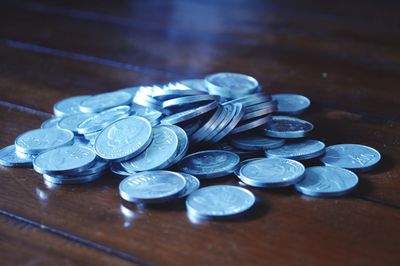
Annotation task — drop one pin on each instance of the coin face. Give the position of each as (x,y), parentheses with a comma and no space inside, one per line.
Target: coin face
(101,102)
(301,150)
(71,122)
(327,181)
(271,172)
(52,122)
(39,140)
(11,158)
(231,85)
(152,186)
(210,163)
(219,201)
(192,184)
(351,156)
(291,103)
(287,127)
(64,160)
(124,139)
(158,154)
(69,106)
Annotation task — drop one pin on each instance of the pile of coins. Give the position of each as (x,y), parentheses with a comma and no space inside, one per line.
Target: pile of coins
(144,134)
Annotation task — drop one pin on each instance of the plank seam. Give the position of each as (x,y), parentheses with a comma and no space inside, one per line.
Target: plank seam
(25,109)
(386,204)
(87,243)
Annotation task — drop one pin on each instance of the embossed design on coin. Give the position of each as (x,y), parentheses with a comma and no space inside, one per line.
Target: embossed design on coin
(71,122)
(69,106)
(10,158)
(287,127)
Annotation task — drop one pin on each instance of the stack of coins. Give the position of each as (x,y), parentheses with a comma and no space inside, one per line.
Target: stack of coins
(144,133)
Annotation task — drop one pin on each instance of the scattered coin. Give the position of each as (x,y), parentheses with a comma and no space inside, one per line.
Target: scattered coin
(192,184)
(69,106)
(11,158)
(287,127)
(291,103)
(104,101)
(301,150)
(255,142)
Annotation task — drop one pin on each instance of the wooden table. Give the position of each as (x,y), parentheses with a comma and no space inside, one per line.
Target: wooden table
(344,55)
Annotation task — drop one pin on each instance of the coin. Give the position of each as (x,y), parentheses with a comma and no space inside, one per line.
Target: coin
(10,158)
(124,139)
(69,106)
(71,122)
(192,184)
(104,101)
(327,181)
(232,124)
(251,99)
(188,100)
(189,114)
(219,201)
(205,129)
(271,172)
(152,186)
(251,124)
(231,85)
(195,84)
(52,122)
(71,180)
(291,103)
(254,142)
(287,127)
(39,140)
(210,163)
(355,157)
(168,94)
(183,144)
(226,116)
(301,150)
(117,169)
(158,154)
(64,160)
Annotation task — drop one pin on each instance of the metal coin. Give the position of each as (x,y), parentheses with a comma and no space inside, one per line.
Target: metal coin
(131,90)
(354,157)
(71,122)
(152,186)
(210,163)
(270,106)
(192,184)
(158,155)
(191,126)
(256,114)
(101,120)
(271,172)
(327,181)
(39,140)
(231,85)
(226,116)
(168,94)
(252,99)
(183,144)
(189,114)
(219,201)
(10,158)
(251,124)
(291,103)
(71,180)
(255,143)
(69,106)
(302,150)
(188,100)
(231,125)
(124,139)
(287,127)
(52,122)
(195,84)
(117,169)
(204,130)
(64,160)
(104,101)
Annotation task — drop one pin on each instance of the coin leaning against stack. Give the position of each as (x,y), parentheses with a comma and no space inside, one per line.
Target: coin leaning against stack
(142,133)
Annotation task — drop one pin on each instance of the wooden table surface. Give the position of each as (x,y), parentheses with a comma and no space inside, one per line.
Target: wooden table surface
(344,55)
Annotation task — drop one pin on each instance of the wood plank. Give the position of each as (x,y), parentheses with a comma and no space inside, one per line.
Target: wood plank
(284,228)
(24,244)
(328,77)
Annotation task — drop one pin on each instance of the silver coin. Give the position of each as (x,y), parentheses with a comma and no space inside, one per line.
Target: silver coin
(183,144)
(251,124)
(10,158)
(64,160)
(204,130)
(291,103)
(71,122)
(231,85)
(104,101)
(256,114)
(219,201)
(189,100)
(101,120)
(69,106)
(168,94)
(192,184)
(355,157)
(158,155)
(226,116)
(255,143)
(147,112)
(242,153)
(66,180)
(287,127)
(195,84)
(232,124)
(98,167)
(189,114)
(252,99)
(302,150)
(117,169)
(327,181)
(271,172)
(52,122)
(242,163)
(124,139)
(152,186)
(270,106)
(131,90)
(40,140)
(191,126)
(210,163)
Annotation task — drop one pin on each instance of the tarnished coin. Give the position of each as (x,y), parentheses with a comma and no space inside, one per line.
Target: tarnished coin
(192,184)
(355,157)
(64,160)
(231,85)
(254,142)
(271,172)
(302,150)
(327,181)
(39,140)
(101,120)
(69,106)
(71,122)
(124,139)
(104,101)
(189,114)
(219,201)
(52,122)
(210,163)
(291,103)
(158,155)
(11,158)
(287,127)
(152,186)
